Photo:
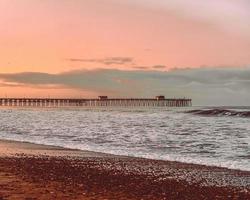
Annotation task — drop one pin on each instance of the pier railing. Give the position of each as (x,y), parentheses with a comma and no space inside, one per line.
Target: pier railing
(108,102)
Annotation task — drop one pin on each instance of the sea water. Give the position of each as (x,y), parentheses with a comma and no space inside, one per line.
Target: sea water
(157,133)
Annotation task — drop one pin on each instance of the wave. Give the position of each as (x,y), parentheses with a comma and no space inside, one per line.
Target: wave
(220,112)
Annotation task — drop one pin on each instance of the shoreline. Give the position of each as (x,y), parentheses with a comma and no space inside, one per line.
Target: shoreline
(10,148)
(33,149)
(29,170)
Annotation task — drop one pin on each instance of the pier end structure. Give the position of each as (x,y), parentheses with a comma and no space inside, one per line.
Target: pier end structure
(101,101)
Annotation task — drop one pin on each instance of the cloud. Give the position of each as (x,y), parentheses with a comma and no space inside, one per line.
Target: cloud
(150,67)
(206,86)
(106,61)
(141,67)
(159,67)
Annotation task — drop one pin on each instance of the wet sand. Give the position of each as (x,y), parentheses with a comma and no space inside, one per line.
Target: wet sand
(29,171)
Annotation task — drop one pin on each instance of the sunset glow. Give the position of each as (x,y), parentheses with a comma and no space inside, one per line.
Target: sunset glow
(61,36)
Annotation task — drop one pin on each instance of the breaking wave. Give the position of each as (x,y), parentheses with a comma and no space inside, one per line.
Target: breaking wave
(220,112)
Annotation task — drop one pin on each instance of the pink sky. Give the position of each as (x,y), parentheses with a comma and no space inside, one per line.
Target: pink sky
(46,36)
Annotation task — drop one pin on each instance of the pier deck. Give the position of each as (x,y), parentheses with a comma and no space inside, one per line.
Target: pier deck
(101,101)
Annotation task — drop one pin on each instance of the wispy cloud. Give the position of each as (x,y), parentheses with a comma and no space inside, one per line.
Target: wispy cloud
(141,67)
(154,67)
(207,86)
(106,61)
(159,67)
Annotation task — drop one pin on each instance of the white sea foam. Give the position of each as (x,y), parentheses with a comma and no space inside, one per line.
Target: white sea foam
(151,133)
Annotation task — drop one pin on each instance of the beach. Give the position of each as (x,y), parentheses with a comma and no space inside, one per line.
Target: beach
(30,171)
(124,100)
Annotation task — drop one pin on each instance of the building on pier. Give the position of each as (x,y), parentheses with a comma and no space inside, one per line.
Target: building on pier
(161,97)
(103,97)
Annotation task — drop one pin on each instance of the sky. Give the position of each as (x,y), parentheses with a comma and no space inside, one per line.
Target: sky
(126,48)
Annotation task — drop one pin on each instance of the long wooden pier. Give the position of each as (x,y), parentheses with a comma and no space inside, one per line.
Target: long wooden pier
(159,101)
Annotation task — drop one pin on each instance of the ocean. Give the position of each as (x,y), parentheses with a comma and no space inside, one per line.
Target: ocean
(209,136)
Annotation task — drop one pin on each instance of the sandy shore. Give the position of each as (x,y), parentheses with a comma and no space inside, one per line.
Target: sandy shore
(29,171)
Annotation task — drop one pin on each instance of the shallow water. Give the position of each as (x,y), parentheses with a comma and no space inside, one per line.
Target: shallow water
(167,134)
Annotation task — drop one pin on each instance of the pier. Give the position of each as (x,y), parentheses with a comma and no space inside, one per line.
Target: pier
(101,101)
